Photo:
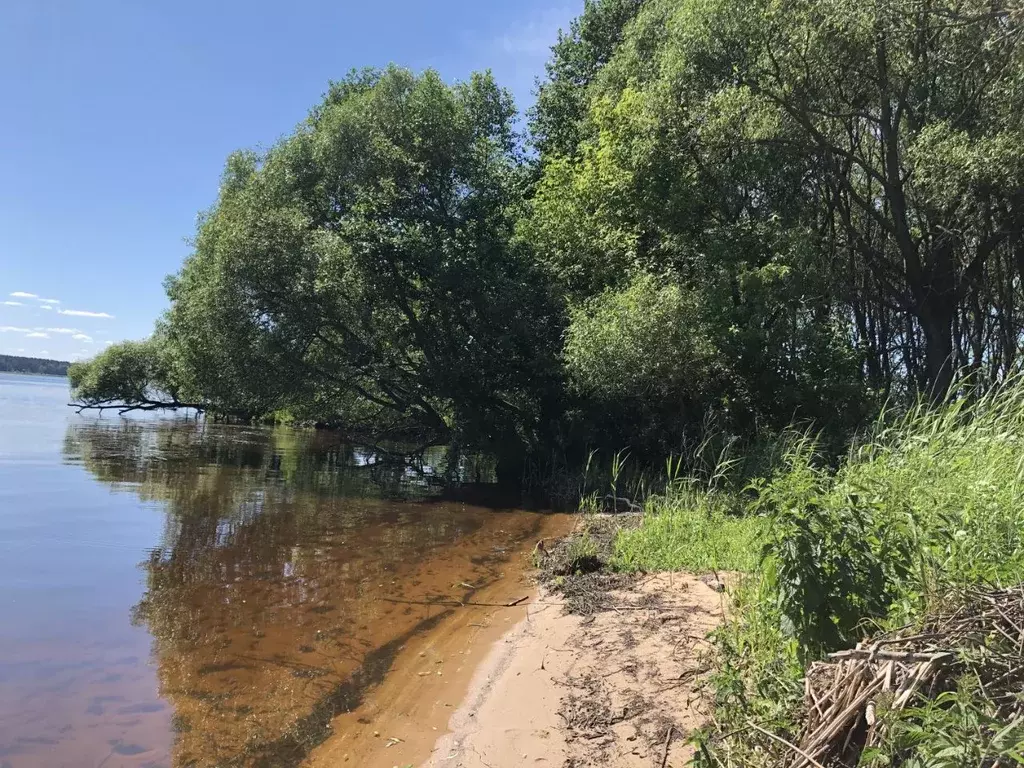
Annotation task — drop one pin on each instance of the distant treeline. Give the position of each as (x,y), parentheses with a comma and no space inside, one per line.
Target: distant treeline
(15,364)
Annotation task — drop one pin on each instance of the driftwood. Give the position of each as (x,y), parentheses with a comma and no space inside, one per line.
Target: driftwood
(844,695)
(122,407)
(613,504)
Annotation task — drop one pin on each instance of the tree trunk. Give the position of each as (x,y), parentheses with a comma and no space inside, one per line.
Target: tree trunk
(937,325)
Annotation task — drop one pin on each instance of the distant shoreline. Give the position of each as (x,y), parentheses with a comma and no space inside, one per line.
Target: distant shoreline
(33,365)
(36,373)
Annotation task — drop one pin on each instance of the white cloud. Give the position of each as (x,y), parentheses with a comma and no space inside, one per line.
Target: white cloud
(13,328)
(68,331)
(20,349)
(108,343)
(46,306)
(44,351)
(535,37)
(14,304)
(83,313)
(82,337)
(23,295)
(37,335)
(49,301)
(518,50)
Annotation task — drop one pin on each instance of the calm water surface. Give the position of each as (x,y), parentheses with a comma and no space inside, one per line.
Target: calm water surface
(176,593)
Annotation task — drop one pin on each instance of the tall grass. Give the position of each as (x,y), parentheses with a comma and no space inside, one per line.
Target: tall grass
(693,530)
(925,504)
(691,517)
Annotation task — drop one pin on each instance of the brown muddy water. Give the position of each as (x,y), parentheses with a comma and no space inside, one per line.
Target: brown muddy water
(175,593)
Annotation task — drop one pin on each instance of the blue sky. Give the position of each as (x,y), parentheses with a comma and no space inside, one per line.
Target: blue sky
(118,115)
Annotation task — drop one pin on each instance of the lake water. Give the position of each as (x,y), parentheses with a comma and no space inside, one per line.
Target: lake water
(179,593)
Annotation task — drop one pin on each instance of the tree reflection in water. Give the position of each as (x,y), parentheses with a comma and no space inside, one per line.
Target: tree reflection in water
(291,567)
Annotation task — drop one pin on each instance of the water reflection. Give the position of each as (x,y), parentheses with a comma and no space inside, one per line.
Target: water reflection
(290,568)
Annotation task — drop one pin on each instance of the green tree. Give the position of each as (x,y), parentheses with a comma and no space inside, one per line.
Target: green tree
(37,365)
(762,211)
(670,178)
(576,58)
(363,269)
(907,116)
(131,375)
(644,359)
(836,181)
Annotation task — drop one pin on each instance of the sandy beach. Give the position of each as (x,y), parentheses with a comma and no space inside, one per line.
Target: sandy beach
(617,688)
(400,720)
(515,678)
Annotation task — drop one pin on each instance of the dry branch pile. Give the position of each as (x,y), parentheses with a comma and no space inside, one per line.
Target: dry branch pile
(847,698)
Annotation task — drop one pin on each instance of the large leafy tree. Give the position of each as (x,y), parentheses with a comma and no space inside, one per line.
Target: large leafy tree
(907,115)
(362,270)
(669,183)
(764,210)
(576,59)
(837,185)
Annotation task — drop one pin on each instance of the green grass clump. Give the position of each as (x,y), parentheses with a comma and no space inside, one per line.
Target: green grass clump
(582,554)
(691,531)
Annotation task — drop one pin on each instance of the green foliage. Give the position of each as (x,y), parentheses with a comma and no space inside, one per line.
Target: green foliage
(899,116)
(367,255)
(757,676)
(132,374)
(671,203)
(955,729)
(362,271)
(927,503)
(644,342)
(746,213)
(581,554)
(833,562)
(691,530)
(575,61)
(803,168)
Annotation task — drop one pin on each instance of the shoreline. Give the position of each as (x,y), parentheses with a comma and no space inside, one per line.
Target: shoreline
(399,720)
(616,688)
(542,681)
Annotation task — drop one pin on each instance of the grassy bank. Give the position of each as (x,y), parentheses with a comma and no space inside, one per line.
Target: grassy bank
(685,530)
(926,510)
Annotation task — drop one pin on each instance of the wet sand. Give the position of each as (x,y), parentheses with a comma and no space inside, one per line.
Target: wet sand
(401,719)
(277,676)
